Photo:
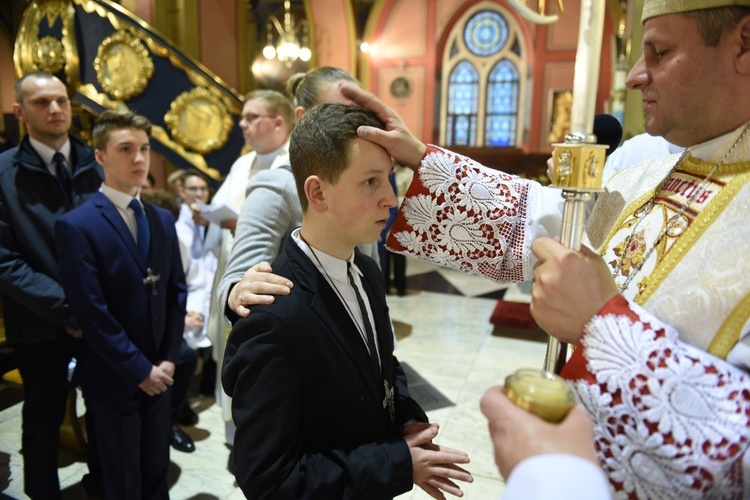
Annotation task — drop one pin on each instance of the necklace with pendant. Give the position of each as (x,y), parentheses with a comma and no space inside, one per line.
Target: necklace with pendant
(676,224)
(340,296)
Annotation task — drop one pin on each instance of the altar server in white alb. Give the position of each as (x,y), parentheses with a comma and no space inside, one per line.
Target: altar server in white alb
(658,301)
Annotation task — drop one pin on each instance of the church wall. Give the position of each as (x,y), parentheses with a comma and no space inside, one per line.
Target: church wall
(218,30)
(334,32)
(410,37)
(402,34)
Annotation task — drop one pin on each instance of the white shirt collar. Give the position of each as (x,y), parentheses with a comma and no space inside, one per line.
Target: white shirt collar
(118,198)
(46,152)
(715,149)
(327,264)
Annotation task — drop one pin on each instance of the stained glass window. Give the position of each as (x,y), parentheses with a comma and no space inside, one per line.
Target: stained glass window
(486,33)
(502,105)
(483,81)
(463,103)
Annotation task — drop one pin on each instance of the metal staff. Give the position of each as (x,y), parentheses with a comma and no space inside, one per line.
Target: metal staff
(579,161)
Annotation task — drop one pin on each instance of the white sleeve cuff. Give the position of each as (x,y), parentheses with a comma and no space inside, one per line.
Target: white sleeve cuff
(557,476)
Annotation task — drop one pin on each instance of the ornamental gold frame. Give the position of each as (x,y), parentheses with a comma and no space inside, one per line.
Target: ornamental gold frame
(28,35)
(137,77)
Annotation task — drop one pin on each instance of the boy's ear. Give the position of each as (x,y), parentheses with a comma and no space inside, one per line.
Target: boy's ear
(315,193)
(743,57)
(98,156)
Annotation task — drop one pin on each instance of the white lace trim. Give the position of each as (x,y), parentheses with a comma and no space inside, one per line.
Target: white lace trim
(671,421)
(462,224)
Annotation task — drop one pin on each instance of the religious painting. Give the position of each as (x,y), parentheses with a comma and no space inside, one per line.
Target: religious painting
(561,104)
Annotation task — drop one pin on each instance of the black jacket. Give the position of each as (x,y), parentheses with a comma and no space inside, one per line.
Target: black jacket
(34,305)
(308,406)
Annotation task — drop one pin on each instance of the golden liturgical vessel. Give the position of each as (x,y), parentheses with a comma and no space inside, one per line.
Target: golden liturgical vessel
(546,395)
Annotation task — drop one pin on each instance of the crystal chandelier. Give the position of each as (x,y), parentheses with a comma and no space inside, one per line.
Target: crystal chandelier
(291,39)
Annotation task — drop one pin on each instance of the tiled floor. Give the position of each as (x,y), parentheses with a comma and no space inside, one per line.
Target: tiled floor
(450,345)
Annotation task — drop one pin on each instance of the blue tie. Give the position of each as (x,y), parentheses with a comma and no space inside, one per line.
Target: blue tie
(144,235)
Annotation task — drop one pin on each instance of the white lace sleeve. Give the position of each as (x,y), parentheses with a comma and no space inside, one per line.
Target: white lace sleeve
(460,214)
(671,421)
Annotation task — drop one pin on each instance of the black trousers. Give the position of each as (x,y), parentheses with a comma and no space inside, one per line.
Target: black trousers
(397,263)
(44,370)
(183,375)
(132,439)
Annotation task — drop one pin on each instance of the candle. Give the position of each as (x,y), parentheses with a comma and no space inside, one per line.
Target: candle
(586,77)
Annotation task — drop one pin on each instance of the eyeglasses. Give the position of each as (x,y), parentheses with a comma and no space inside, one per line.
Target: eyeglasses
(196,189)
(251,117)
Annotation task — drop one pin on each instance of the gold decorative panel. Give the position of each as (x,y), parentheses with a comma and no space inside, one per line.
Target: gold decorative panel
(48,54)
(123,65)
(198,120)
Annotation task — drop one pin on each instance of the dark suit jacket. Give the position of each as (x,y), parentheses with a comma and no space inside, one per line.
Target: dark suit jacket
(306,400)
(126,329)
(34,305)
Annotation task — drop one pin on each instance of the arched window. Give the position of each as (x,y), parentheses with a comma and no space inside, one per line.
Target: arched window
(502,105)
(483,63)
(463,103)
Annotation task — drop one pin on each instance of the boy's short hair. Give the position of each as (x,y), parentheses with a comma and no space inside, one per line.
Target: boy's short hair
(320,142)
(110,121)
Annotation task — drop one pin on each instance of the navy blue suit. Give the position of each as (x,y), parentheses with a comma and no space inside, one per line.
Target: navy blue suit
(126,330)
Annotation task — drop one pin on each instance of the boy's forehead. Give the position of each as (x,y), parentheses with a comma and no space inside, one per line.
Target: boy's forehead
(127,135)
(368,152)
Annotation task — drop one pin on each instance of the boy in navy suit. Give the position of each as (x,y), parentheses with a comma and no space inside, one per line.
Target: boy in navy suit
(121,271)
(320,402)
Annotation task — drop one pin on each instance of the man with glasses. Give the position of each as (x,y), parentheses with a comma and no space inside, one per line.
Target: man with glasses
(267,121)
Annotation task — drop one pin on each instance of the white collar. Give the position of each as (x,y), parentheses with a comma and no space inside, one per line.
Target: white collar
(46,152)
(715,150)
(118,198)
(328,265)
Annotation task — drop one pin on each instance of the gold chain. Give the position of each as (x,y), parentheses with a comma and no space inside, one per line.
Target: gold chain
(642,214)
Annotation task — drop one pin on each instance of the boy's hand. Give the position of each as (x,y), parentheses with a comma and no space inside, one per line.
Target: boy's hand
(76,333)
(435,466)
(193,321)
(167,367)
(157,381)
(258,286)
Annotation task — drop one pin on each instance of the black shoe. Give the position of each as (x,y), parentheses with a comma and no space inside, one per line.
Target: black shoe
(181,441)
(93,486)
(186,416)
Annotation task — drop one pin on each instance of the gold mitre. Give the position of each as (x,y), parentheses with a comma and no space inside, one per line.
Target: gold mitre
(653,8)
